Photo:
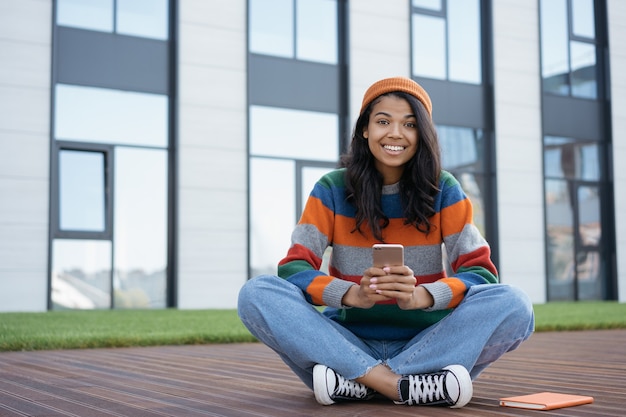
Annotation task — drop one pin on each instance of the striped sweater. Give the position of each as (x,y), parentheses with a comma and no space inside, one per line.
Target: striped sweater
(328,220)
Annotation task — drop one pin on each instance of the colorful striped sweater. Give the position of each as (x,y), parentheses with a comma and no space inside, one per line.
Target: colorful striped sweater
(328,220)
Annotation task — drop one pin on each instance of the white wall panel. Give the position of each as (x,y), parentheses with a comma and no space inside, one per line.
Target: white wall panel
(25,42)
(519,146)
(212,158)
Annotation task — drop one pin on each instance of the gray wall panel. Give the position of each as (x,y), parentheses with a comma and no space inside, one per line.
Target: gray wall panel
(111,61)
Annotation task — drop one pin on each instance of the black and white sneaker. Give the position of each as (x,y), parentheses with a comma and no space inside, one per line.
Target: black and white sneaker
(450,387)
(330,387)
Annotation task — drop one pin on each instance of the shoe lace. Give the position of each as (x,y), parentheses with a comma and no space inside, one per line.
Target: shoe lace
(349,388)
(427,388)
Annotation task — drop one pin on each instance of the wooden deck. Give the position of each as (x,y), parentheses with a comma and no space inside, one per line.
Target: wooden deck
(243,380)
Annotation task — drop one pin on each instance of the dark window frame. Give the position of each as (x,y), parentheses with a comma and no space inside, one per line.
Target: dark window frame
(55,209)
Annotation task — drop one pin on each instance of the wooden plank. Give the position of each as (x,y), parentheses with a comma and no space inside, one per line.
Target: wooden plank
(249,380)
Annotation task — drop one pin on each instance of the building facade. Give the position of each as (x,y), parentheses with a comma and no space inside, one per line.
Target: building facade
(157,153)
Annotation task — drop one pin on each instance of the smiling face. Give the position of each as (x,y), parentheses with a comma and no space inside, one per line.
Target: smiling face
(392,136)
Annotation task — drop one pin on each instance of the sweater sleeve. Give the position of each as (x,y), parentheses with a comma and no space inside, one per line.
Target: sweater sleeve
(309,241)
(468,252)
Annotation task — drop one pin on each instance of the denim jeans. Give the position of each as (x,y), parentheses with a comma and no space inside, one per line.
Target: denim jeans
(492,320)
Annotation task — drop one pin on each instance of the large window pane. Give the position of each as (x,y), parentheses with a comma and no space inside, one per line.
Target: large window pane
(560,244)
(582,18)
(86,14)
(81,274)
(464,41)
(146,18)
(272,214)
(429,46)
(90,114)
(140,233)
(312,43)
(554,47)
(271,29)
(82,191)
(583,67)
(293,134)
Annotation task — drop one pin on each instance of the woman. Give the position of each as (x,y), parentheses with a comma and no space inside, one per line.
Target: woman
(409,332)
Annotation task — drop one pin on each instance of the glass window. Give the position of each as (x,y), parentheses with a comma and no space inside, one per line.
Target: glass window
(140,231)
(589,265)
(145,18)
(429,47)
(90,114)
(86,14)
(294,134)
(560,241)
(463,154)
(82,191)
(583,66)
(568,60)
(314,44)
(571,159)
(428,4)
(464,41)
(291,29)
(582,18)
(271,224)
(81,274)
(446,44)
(554,47)
(271,30)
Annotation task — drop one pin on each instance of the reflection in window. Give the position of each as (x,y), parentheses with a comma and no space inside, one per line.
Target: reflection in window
(569,158)
(573,219)
(91,14)
(560,241)
(296,134)
(568,61)
(145,18)
(291,29)
(463,154)
(90,114)
(272,212)
(81,191)
(140,231)
(81,274)
(583,69)
(447,43)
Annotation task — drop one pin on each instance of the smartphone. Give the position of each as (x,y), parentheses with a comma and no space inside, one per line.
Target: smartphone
(386,254)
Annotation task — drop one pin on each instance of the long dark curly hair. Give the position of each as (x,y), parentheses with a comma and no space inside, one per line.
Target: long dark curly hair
(419,183)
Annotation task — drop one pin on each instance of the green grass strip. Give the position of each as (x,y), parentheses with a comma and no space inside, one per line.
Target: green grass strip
(125,328)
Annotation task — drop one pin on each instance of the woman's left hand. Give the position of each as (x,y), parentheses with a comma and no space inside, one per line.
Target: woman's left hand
(398,282)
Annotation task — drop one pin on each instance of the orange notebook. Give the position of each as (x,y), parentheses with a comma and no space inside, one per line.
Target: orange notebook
(545,401)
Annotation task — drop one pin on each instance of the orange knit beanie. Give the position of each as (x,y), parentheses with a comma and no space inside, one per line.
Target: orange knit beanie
(403,84)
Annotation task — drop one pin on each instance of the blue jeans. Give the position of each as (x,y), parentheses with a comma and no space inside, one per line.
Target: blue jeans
(492,319)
